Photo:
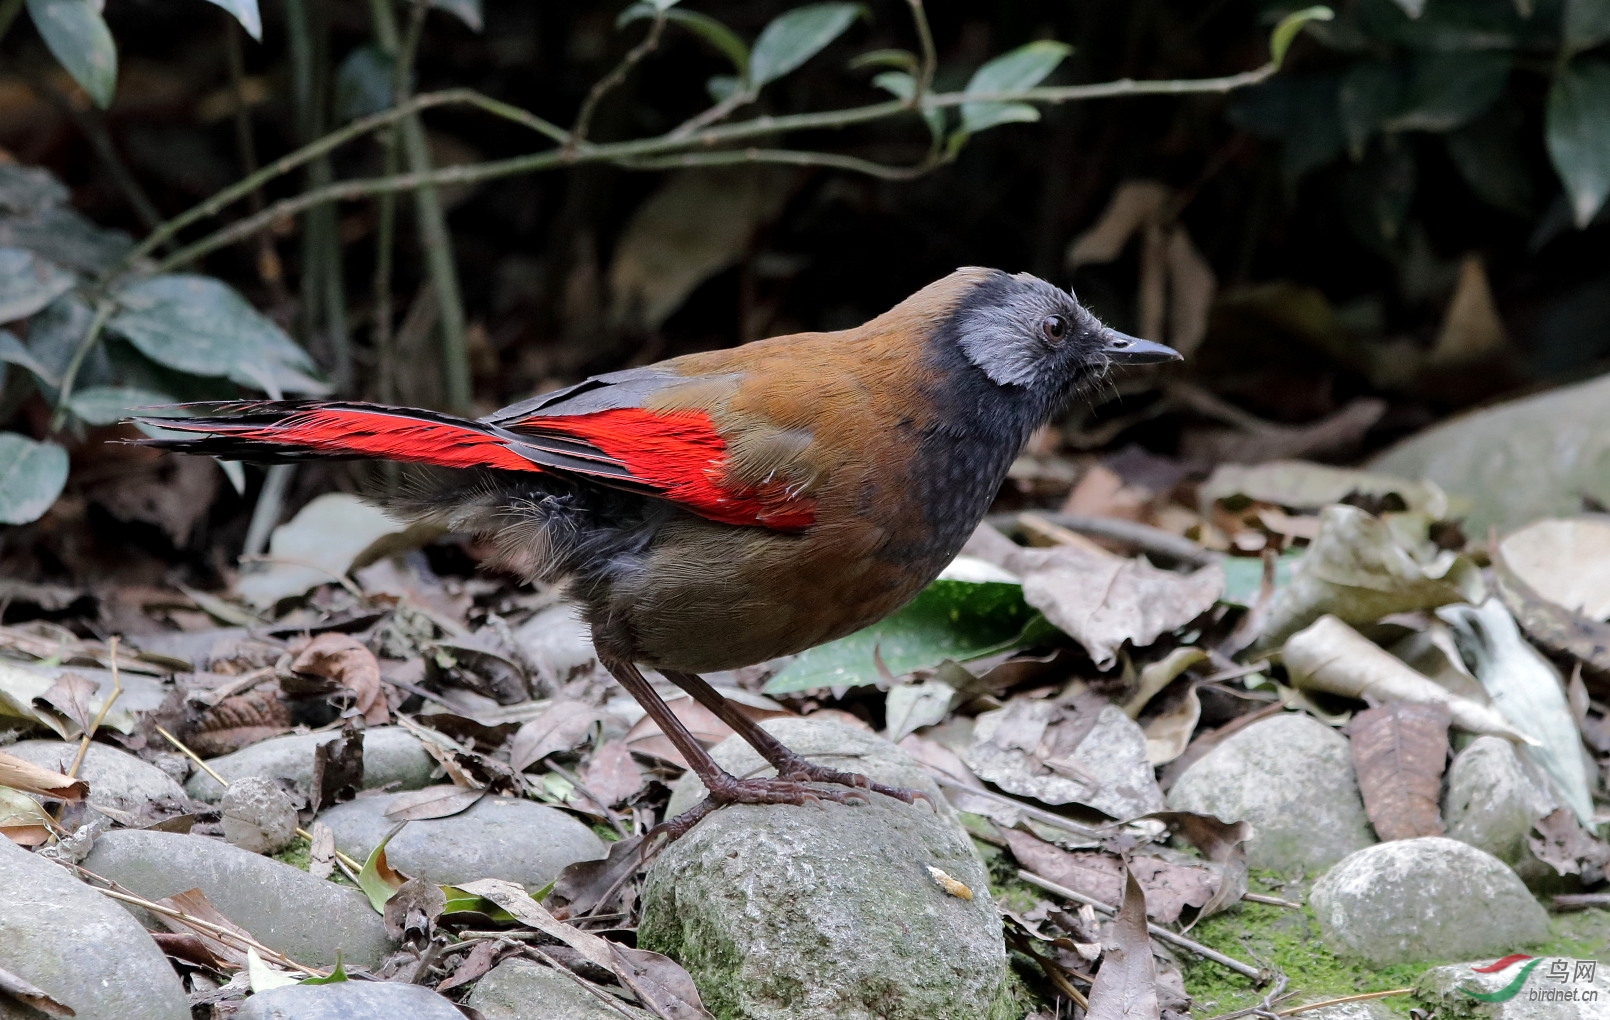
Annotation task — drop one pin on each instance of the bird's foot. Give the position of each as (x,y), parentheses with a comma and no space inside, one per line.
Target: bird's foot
(730,789)
(802,770)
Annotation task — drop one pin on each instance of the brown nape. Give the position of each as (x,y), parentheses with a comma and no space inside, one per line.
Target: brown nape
(794,773)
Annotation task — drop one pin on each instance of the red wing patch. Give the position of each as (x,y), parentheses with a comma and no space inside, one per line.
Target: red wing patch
(682,456)
(356,431)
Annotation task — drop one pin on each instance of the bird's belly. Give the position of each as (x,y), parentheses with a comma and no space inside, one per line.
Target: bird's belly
(744,596)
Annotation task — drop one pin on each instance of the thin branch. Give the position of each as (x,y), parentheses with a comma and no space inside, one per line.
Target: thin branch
(741,96)
(1157,931)
(930,57)
(103,311)
(100,716)
(639,149)
(612,80)
(791,157)
(335,139)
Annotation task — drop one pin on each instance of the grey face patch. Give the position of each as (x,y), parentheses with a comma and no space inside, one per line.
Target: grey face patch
(999,329)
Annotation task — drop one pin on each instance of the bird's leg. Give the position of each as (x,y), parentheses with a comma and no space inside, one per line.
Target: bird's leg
(724,787)
(789,765)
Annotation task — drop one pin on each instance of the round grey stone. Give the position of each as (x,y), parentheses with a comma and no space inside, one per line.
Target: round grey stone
(285,908)
(1430,898)
(1494,798)
(829,912)
(390,755)
(349,1000)
(520,989)
(258,815)
(497,837)
(1292,778)
(116,779)
(78,946)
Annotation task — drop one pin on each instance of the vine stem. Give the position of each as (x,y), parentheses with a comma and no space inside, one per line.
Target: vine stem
(640,150)
(103,312)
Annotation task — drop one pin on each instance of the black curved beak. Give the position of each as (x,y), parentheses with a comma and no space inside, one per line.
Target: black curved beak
(1122,349)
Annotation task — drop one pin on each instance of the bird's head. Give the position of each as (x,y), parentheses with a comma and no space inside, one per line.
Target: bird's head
(1025,334)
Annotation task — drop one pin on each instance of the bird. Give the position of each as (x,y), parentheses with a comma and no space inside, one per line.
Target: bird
(725,508)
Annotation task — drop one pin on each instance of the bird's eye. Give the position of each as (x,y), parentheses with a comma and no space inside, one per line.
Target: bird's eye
(1055,328)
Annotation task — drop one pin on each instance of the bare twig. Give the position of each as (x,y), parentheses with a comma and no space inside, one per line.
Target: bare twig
(1040,815)
(676,141)
(100,716)
(612,80)
(1362,997)
(1245,969)
(1176,548)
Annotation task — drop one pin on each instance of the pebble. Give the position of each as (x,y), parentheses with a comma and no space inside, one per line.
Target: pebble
(258,815)
(1292,777)
(1430,898)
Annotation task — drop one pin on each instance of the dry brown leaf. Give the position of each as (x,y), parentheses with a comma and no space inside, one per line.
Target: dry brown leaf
(474,964)
(30,778)
(580,886)
(71,695)
(1560,842)
(1400,750)
(1169,732)
(1552,576)
(345,660)
(1192,285)
(1102,600)
(1132,205)
(1331,657)
(560,727)
(337,769)
(1472,330)
(441,801)
(240,720)
(321,855)
(22,820)
(1126,985)
(1170,888)
(613,775)
(412,910)
(193,903)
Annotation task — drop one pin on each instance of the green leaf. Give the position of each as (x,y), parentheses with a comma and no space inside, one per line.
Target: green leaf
(337,974)
(78,37)
(950,619)
(363,83)
(1285,32)
(14,352)
(1587,24)
(28,284)
(31,477)
(467,11)
(797,36)
(1022,68)
(201,326)
(1578,134)
(461,902)
(1446,90)
(245,12)
(722,38)
(377,879)
(108,405)
(900,60)
(903,86)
